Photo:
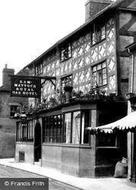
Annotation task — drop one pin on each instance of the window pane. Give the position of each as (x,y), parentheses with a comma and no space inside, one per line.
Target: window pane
(13,109)
(68,127)
(30,130)
(99,67)
(100,75)
(104,81)
(76,128)
(94,69)
(94,39)
(66,53)
(103,33)
(66,81)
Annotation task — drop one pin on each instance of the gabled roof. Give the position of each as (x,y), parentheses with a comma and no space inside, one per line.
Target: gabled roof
(109,8)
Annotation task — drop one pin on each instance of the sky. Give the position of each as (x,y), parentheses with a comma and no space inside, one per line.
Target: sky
(29,27)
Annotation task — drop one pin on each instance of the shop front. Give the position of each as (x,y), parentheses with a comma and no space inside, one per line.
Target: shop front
(58,138)
(125,127)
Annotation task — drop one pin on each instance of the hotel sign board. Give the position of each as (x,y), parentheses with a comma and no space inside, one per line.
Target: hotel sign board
(25,86)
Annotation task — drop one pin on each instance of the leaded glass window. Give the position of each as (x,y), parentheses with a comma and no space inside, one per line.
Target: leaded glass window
(98,34)
(66,81)
(53,131)
(99,74)
(66,53)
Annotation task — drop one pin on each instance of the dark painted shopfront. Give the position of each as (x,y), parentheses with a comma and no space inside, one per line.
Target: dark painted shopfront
(58,138)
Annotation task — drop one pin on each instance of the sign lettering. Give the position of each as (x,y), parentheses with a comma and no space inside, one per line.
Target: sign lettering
(24,86)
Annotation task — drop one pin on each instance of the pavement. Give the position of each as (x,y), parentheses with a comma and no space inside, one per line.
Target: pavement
(81,183)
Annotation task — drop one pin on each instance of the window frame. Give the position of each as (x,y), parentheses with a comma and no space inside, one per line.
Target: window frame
(65,52)
(97,79)
(97,34)
(15,108)
(24,133)
(48,132)
(50,126)
(66,81)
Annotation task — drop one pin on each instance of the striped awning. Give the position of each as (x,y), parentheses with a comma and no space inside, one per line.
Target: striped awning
(126,123)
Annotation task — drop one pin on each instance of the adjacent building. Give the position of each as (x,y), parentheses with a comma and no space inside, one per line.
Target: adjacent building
(132,108)
(8,107)
(91,66)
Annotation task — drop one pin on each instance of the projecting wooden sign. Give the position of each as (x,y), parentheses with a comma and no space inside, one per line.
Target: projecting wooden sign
(25,86)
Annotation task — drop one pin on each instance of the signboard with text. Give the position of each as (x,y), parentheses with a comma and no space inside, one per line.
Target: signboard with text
(25,86)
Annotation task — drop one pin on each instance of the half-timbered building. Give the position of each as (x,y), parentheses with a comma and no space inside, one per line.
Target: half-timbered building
(91,67)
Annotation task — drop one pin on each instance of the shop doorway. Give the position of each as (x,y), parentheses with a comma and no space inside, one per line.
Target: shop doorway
(37,142)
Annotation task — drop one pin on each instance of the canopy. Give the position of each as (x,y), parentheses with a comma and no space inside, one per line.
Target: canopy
(127,122)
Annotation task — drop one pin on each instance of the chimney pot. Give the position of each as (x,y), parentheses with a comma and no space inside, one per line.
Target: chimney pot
(6,76)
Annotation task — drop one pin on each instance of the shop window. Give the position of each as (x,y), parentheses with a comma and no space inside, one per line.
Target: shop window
(24,131)
(98,34)
(68,124)
(85,124)
(65,53)
(19,132)
(76,127)
(53,129)
(70,128)
(99,73)
(13,109)
(30,131)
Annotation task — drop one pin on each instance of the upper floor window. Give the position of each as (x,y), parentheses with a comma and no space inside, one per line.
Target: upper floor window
(99,73)
(98,34)
(66,53)
(66,81)
(13,109)
(39,69)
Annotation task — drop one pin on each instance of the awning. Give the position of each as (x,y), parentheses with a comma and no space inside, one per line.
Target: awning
(126,123)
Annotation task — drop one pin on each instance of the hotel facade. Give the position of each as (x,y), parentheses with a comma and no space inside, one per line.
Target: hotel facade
(90,71)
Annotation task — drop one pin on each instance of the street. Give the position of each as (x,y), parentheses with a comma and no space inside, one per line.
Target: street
(9,172)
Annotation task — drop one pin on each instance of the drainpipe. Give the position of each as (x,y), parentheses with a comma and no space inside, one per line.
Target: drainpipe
(132,85)
(132,134)
(132,69)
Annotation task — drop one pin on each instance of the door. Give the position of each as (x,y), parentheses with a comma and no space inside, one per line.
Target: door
(37,142)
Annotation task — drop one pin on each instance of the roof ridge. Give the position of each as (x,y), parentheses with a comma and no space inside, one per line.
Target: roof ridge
(112,5)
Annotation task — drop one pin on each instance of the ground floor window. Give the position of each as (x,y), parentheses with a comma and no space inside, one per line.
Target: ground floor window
(24,131)
(53,129)
(76,127)
(66,128)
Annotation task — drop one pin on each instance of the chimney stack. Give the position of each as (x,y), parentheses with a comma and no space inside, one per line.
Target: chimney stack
(6,77)
(92,7)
